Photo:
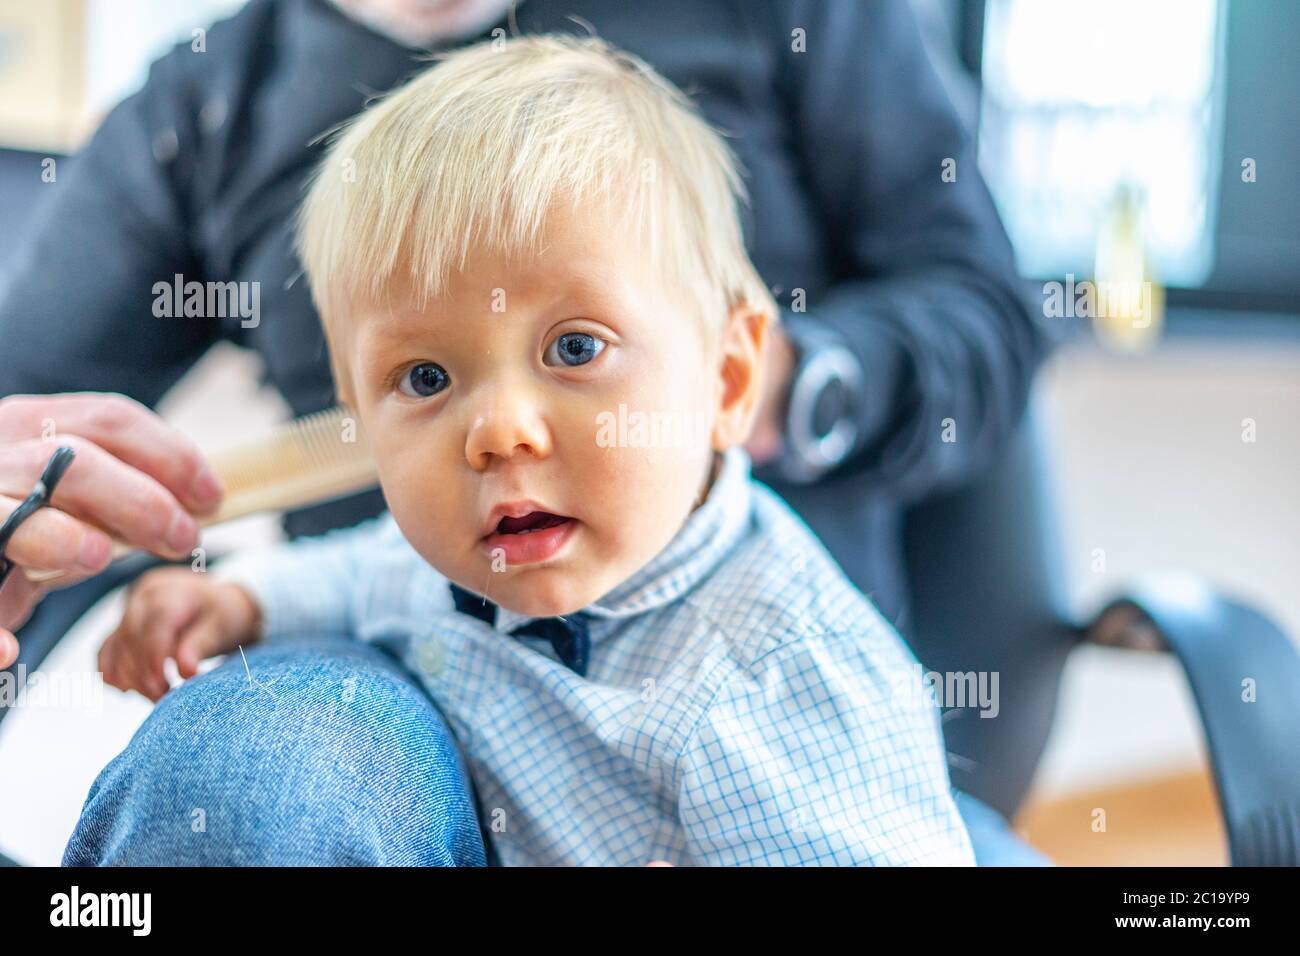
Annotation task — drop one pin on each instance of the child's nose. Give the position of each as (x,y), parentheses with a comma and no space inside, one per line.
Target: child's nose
(507,423)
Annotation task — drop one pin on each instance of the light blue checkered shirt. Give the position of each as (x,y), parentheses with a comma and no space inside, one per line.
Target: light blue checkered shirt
(743,704)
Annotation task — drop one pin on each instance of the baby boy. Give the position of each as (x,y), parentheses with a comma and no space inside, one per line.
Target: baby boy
(644,654)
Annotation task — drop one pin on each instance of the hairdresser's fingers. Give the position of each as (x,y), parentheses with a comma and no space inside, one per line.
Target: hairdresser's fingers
(764,442)
(105,492)
(8,649)
(53,539)
(779,361)
(125,429)
(18,597)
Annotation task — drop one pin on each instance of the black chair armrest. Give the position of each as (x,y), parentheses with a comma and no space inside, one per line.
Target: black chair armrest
(1245,676)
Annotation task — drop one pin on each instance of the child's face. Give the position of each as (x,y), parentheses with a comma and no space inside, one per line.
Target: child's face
(501,400)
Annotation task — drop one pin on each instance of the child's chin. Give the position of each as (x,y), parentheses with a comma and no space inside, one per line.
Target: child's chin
(542,602)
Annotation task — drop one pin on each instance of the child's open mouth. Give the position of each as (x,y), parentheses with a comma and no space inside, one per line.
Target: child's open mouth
(529,537)
(533,521)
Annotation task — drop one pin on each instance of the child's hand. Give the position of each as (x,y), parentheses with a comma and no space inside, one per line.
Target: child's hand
(178,613)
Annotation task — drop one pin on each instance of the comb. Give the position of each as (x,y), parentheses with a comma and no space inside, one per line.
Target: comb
(307,461)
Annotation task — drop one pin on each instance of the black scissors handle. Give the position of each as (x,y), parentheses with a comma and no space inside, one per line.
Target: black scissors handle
(39,498)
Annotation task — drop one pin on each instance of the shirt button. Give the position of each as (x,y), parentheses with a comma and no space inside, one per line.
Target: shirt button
(430,657)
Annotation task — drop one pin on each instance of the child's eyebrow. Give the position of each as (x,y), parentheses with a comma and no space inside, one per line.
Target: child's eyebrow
(587,285)
(394,326)
(581,289)
(377,346)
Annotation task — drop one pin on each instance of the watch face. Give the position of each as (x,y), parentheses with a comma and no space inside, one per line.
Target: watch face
(831,407)
(821,420)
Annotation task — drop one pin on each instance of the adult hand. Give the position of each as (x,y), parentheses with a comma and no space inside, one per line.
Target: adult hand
(134,476)
(769,430)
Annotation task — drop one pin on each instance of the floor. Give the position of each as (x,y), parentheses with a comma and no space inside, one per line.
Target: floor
(1169,820)
(1150,458)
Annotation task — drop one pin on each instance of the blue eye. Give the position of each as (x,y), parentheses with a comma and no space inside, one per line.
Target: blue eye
(574,348)
(424,380)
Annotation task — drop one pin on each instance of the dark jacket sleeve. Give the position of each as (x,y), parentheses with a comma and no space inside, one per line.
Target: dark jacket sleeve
(78,311)
(925,292)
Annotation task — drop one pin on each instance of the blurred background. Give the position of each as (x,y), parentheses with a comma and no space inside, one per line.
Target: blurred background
(1145,141)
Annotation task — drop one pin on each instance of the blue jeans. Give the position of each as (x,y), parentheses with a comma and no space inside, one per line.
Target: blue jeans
(324,752)
(331,754)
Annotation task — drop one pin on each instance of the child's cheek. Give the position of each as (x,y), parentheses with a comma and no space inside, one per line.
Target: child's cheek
(424,495)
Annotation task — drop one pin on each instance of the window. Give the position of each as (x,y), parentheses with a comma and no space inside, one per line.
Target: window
(1088,99)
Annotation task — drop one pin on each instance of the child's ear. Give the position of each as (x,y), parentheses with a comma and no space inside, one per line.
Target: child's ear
(744,347)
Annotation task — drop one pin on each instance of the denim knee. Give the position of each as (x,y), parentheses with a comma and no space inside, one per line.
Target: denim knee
(321,752)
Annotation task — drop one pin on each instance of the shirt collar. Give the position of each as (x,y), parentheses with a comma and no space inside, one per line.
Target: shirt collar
(709,532)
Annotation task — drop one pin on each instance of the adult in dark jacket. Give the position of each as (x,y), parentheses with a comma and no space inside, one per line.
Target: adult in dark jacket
(909,346)
(868,219)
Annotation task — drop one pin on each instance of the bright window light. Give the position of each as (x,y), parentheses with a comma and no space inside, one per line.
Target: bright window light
(1082,97)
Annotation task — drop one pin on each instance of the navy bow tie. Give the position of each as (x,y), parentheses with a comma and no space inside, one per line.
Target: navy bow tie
(568,635)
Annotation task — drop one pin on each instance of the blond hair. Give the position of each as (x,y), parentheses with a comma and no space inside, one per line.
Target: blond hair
(478,148)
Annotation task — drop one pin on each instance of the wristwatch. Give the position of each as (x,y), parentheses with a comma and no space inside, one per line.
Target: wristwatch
(822,409)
